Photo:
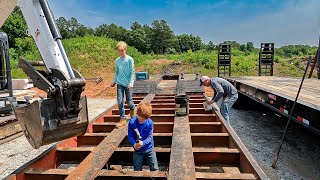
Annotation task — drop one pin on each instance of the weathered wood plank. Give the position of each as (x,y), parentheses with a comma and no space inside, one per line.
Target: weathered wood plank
(181,159)
(285,87)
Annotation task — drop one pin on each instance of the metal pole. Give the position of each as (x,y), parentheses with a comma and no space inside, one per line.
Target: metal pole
(56,34)
(276,157)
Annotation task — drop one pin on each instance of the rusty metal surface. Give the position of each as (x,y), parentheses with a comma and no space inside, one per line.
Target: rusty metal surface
(198,146)
(248,163)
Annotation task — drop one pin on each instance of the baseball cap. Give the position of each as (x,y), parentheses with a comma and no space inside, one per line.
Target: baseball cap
(202,79)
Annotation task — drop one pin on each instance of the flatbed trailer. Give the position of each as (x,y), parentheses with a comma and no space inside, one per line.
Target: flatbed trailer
(200,145)
(279,93)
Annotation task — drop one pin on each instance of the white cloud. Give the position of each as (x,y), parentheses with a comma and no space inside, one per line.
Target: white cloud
(297,23)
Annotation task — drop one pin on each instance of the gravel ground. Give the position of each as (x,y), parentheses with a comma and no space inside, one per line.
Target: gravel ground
(18,151)
(261,132)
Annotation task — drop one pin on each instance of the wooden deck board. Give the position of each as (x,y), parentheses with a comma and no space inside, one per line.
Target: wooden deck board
(182,164)
(286,87)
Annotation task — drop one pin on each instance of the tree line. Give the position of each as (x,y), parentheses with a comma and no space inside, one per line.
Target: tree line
(157,38)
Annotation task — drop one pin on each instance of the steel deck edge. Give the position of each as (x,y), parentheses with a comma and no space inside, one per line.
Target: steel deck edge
(241,145)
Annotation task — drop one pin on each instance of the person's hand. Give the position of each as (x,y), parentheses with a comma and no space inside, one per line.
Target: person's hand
(138,145)
(113,84)
(130,86)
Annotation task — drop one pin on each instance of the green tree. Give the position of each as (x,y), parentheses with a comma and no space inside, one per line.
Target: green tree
(135,26)
(211,46)
(101,30)
(147,29)
(189,42)
(72,28)
(234,44)
(162,36)
(138,38)
(62,24)
(15,27)
(113,31)
(243,47)
(250,46)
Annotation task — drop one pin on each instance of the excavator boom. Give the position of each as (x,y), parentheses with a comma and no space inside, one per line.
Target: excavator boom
(63,113)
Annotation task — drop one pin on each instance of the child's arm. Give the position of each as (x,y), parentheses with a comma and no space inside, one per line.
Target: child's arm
(130,134)
(132,73)
(116,74)
(150,135)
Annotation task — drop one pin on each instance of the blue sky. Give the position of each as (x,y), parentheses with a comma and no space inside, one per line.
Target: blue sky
(280,21)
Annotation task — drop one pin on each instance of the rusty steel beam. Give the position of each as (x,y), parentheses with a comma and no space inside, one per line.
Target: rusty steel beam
(163,105)
(111,118)
(208,127)
(221,156)
(198,111)
(197,100)
(247,163)
(164,97)
(159,127)
(163,117)
(154,111)
(207,176)
(162,101)
(196,105)
(202,118)
(181,159)
(57,174)
(93,163)
(154,117)
(210,139)
(168,111)
(93,139)
(122,155)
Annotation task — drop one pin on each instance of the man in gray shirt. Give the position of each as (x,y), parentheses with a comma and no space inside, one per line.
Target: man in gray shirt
(223,89)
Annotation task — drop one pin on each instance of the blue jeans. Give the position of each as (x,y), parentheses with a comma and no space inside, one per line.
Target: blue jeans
(227,104)
(151,157)
(120,98)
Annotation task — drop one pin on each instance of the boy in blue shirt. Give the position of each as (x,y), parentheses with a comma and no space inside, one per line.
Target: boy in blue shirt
(144,146)
(124,78)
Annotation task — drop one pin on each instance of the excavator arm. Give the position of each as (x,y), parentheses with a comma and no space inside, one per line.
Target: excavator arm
(63,113)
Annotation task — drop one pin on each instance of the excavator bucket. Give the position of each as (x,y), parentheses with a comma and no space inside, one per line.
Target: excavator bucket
(42,125)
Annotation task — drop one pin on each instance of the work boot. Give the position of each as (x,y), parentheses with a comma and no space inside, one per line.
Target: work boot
(122,122)
(132,113)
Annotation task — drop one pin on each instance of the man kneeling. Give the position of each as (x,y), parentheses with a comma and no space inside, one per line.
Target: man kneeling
(140,135)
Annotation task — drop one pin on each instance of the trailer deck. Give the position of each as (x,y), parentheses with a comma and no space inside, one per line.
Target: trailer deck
(198,146)
(279,93)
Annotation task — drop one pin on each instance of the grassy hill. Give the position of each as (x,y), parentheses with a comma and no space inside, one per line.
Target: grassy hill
(94,57)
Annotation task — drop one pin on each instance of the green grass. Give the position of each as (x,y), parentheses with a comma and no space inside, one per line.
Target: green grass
(92,55)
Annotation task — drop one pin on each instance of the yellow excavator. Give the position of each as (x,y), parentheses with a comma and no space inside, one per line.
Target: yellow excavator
(63,113)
